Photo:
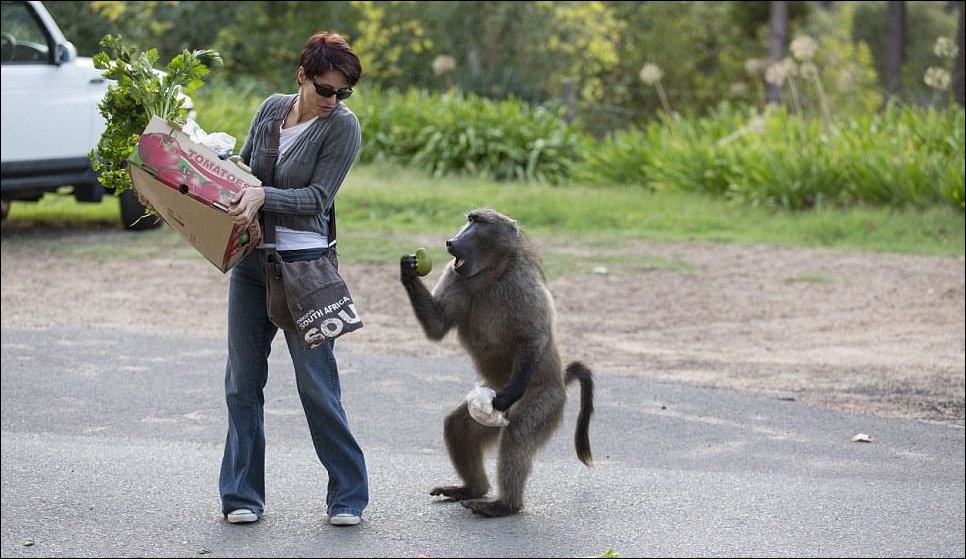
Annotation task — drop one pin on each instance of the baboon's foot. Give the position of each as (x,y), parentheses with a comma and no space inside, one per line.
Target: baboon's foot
(491,509)
(457,492)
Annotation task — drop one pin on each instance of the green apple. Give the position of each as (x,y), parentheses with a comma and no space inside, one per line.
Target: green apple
(424,264)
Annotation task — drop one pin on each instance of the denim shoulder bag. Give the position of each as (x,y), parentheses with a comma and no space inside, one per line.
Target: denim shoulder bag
(308,297)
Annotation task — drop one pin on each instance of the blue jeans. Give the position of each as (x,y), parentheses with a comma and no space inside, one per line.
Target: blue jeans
(250,335)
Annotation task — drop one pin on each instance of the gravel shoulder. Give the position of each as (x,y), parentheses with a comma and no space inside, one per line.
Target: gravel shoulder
(862,332)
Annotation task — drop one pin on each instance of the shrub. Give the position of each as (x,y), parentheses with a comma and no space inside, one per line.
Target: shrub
(453,134)
(902,156)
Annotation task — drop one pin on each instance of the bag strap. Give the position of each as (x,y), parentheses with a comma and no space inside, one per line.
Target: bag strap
(269,219)
(271,152)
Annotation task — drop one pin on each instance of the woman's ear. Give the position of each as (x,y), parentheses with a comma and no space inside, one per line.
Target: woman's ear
(300,75)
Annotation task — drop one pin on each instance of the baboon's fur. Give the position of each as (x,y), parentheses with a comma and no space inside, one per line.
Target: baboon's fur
(494,293)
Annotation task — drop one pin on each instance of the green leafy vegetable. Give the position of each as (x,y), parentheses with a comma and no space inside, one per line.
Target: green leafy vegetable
(139,93)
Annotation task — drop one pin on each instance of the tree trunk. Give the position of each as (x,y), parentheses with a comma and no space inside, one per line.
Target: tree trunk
(958,85)
(895,42)
(778,24)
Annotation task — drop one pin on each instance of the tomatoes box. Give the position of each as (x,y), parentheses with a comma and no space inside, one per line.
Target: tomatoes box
(191,188)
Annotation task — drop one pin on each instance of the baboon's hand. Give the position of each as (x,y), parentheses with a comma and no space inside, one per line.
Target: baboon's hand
(407,269)
(501,402)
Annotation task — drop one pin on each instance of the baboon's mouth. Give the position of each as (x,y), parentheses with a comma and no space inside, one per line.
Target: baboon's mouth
(459,262)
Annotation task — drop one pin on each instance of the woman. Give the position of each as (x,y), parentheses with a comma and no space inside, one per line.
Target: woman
(319,138)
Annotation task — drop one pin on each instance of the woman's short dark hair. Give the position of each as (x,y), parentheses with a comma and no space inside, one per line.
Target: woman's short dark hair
(324,52)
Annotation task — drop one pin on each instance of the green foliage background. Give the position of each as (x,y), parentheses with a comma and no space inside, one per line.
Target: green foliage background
(500,114)
(523,49)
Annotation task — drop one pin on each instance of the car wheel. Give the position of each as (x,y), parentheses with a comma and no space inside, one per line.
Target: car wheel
(132,213)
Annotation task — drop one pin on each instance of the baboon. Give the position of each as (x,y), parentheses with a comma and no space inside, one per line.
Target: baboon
(494,293)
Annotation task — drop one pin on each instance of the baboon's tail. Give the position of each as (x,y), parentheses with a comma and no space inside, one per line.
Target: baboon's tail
(579,371)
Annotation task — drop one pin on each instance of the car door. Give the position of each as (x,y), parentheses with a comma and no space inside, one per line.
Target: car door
(49,109)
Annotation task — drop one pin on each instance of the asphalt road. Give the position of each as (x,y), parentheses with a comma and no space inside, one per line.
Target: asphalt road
(111,444)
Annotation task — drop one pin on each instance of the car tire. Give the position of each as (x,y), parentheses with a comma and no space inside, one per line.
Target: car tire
(132,213)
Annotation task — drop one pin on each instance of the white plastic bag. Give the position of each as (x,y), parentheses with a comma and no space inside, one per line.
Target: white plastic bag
(479,402)
(218,142)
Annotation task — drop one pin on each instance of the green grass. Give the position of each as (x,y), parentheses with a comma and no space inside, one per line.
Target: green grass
(386,211)
(385,198)
(61,210)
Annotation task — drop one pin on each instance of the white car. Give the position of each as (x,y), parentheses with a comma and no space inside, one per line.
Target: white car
(50,118)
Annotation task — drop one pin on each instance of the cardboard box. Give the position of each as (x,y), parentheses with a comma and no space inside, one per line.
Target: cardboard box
(191,188)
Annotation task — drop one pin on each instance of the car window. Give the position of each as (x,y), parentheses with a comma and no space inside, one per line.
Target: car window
(22,37)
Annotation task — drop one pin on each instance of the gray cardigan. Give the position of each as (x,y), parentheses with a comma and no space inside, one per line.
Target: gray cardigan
(310,173)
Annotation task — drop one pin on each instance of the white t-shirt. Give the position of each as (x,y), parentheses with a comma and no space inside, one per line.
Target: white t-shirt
(290,239)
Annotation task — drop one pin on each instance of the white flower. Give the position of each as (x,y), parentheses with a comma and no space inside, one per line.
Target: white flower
(755,66)
(738,89)
(803,48)
(651,74)
(444,64)
(776,73)
(937,78)
(945,48)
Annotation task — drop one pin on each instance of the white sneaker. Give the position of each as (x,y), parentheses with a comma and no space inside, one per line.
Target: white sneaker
(344,519)
(241,516)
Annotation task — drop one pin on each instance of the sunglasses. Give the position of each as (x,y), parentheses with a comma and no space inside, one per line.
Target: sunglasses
(326,91)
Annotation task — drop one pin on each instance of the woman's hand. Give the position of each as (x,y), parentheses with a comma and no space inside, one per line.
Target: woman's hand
(246,204)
